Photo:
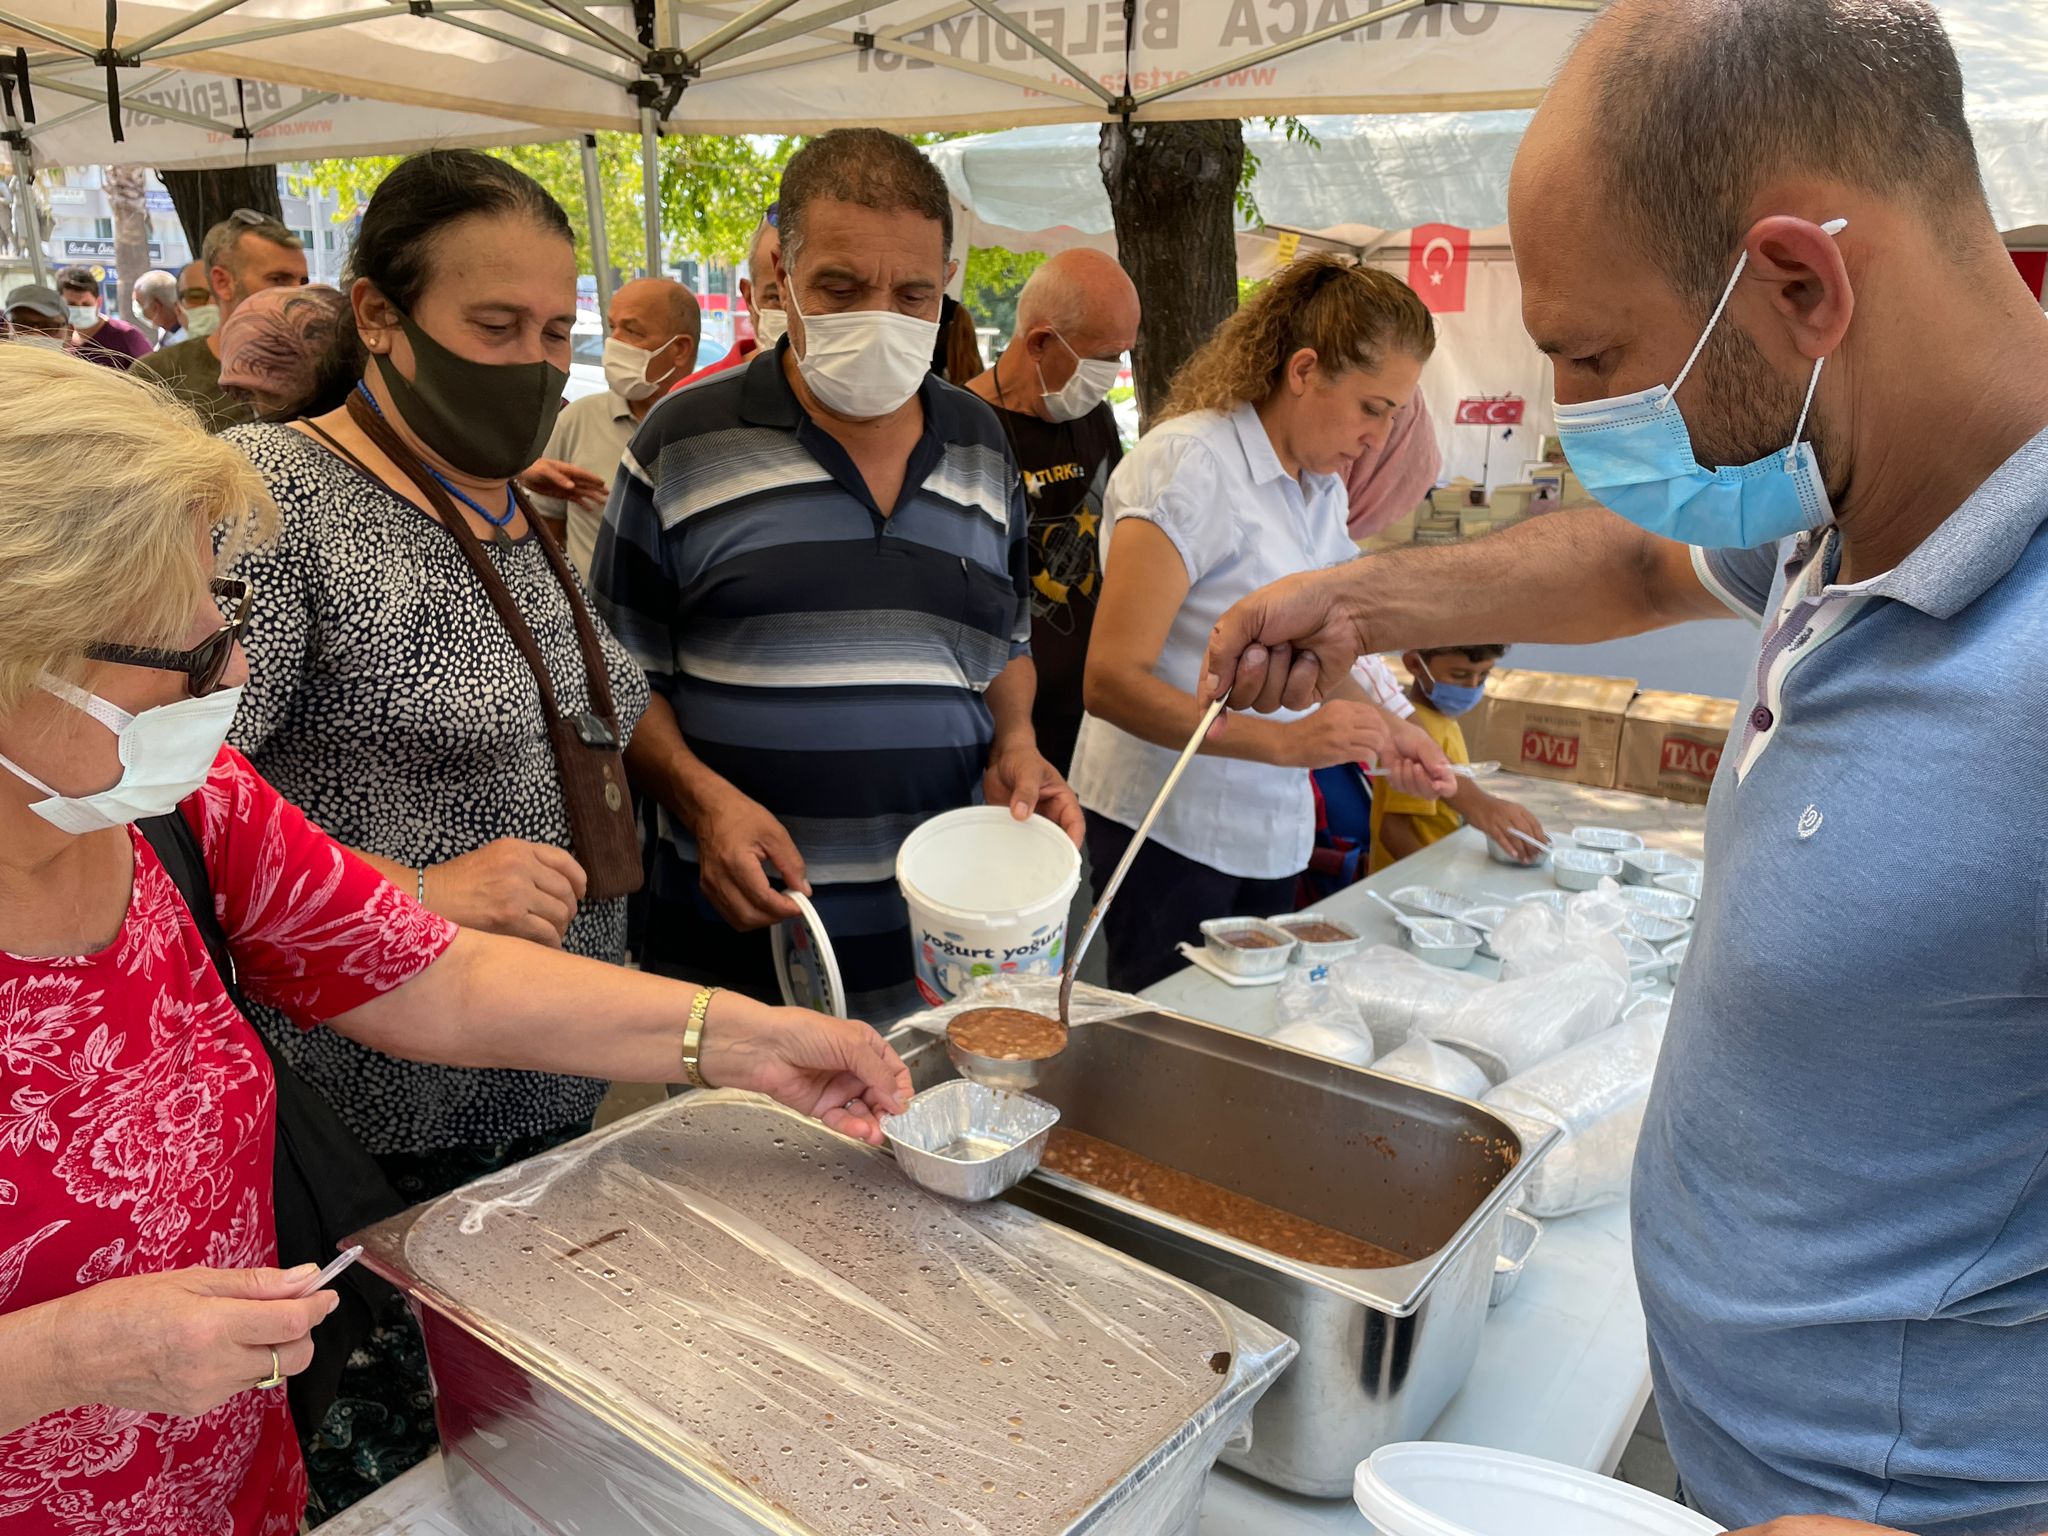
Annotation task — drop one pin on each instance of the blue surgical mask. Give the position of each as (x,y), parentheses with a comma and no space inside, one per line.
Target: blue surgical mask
(1634,456)
(1448,698)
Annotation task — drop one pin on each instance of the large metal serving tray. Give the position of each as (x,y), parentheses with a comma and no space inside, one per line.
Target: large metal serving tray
(1419,1172)
(717,1318)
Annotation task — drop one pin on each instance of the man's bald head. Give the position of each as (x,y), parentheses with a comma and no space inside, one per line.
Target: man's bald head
(1080,290)
(1685,112)
(660,305)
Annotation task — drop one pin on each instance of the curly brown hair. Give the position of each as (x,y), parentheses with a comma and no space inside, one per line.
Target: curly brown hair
(1351,317)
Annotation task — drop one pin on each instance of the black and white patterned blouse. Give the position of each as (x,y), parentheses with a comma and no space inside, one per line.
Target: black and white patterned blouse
(386,701)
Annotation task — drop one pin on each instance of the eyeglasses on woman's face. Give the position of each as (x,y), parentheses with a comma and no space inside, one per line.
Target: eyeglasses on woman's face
(204,664)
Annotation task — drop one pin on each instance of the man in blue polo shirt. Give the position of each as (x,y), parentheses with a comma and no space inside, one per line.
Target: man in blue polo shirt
(819,559)
(1841,1193)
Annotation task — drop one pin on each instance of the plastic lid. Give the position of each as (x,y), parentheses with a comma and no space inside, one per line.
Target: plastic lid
(1420,1488)
(805,967)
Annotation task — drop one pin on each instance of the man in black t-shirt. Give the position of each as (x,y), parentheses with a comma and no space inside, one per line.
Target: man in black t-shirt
(1076,318)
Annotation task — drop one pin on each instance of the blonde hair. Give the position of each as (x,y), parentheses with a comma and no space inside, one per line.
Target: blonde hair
(110,483)
(1351,317)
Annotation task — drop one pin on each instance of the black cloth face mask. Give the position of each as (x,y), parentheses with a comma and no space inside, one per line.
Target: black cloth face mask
(490,420)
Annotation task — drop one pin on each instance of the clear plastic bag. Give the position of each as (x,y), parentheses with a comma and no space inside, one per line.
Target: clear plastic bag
(1422,1060)
(1397,995)
(1511,1027)
(1595,1093)
(718,1317)
(1315,1014)
(1533,939)
(1035,994)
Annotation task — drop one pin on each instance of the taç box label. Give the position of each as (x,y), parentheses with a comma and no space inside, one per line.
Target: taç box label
(1552,725)
(1671,745)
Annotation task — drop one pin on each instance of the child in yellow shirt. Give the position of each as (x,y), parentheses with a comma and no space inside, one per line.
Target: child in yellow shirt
(1449,681)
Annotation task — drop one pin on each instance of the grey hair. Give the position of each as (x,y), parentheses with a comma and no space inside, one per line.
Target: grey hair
(157,285)
(218,249)
(865,166)
(1698,103)
(1051,296)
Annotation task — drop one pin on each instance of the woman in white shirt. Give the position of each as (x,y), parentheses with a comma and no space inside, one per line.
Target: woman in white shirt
(1239,485)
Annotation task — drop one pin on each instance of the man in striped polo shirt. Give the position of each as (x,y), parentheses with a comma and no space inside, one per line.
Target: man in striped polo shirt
(819,558)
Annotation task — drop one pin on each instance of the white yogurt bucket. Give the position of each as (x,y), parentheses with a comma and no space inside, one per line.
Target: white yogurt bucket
(1423,1488)
(987,894)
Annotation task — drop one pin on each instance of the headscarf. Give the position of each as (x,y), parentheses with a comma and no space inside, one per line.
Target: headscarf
(273,341)
(1385,487)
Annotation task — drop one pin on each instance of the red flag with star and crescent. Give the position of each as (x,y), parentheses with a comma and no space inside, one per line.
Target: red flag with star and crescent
(1438,257)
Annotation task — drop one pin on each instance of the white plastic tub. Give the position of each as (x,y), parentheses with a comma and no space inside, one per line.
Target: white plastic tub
(1420,1488)
(987,893)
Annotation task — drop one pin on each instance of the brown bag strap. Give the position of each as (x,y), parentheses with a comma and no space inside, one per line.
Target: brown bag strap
(380,432)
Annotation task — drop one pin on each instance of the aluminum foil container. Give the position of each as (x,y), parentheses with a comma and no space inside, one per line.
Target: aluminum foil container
(1646,864)
(1318,952)
(1534,857)
(1427,901)
(1686,882)
(1645,898)
(1442,942)
(1581,869)
(1248,962)
(1644,959)
(1484,920)
(1555,900)
(1518,1239)
(968,1142)
(1653,928)
(1606,839)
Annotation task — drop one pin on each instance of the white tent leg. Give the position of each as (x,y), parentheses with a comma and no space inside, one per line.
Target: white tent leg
(30,227)
(650,187)
(600,244)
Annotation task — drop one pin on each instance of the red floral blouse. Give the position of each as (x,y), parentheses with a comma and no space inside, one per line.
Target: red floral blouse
(135,1136)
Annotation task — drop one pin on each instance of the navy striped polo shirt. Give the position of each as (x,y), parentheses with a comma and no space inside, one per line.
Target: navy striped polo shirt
(827,661)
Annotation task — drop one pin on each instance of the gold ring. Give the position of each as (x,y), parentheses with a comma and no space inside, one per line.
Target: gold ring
(276,1376)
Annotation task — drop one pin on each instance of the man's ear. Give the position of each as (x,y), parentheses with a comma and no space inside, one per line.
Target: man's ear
(1807,280)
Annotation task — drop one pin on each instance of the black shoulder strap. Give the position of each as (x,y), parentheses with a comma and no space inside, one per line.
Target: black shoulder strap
(177,848)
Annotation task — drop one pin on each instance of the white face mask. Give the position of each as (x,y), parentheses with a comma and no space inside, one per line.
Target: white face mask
(202,320)
(1089,387)
(83,316)
(770,326)
(625,369)
(864,363)
(166,754)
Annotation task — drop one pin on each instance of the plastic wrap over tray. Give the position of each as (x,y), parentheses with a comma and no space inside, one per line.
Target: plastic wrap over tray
(718,1318)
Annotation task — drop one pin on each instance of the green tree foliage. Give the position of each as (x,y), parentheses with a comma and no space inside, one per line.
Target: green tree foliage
(989,289)
(713,189)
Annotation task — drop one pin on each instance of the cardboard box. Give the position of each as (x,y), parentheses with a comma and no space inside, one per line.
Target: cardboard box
(1551,725)
(1671,744)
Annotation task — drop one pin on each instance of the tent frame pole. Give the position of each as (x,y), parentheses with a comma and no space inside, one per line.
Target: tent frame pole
(498,35)
(152,108)
(549,21)
(54,38)
(650,187)
(1043,49)
(179,28)
(600,241)
(28,228)
(1309,40)
(740,26)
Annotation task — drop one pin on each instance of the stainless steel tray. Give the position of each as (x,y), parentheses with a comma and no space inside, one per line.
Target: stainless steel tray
(719,1319)
(1418,1172)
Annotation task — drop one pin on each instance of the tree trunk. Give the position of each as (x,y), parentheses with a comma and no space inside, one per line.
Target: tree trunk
(126,186)
(1173,192)
(204,198)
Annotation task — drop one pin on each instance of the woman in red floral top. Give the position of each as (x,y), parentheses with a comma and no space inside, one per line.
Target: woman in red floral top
(141,1325)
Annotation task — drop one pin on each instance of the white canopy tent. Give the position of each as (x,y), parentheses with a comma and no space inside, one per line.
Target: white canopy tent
(801,66)
(1370,179)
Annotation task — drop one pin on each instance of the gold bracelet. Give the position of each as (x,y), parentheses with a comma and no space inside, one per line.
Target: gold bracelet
(693,1037)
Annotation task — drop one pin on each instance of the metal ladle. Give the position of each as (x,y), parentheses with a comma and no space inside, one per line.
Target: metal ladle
(1123,866)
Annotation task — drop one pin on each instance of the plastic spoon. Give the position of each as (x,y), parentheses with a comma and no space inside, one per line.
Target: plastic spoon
(1534,842)
(1123,865)
(1412,924)
(1462,770)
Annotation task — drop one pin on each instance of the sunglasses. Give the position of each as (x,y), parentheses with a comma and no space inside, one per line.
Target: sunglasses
(206,663)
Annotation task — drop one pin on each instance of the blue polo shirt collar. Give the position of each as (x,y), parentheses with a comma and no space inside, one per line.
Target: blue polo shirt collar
(1977,544)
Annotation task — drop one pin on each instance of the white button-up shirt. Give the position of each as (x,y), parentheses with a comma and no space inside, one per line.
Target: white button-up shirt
(1212,484)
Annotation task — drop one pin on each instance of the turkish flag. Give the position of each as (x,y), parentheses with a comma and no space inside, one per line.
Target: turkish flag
(1490,411)
(1438,255)
(2033,267)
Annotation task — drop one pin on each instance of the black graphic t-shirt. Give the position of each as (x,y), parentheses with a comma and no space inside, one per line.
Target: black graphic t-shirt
(1065,465)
